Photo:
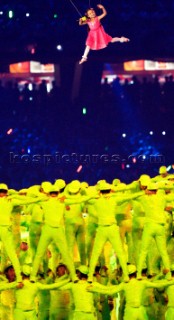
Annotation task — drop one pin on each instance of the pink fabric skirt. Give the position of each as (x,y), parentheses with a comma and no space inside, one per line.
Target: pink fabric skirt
(97,37)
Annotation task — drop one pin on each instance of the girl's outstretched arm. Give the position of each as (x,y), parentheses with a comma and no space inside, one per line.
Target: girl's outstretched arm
(104,11)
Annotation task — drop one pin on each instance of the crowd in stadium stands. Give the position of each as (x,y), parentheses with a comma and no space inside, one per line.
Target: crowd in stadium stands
(117,122)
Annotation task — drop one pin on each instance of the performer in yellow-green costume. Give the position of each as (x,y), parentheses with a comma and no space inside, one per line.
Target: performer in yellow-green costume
(25,308)
(7,306)
(74,222)
(53,230)
(61,301)
(35,227)
(55,253)
(84,301)
(138,214)
(6,206)
(170,305)
(107,227)
(91,225)
(7,297)
(133,291)
(154,203)
(124,221)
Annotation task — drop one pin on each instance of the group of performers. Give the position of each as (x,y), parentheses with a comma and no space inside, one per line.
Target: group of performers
(88,252)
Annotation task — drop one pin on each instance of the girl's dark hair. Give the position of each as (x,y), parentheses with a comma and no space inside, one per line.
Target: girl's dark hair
(86,13)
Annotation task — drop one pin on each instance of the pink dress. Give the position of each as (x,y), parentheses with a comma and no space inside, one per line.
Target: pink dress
(97,37)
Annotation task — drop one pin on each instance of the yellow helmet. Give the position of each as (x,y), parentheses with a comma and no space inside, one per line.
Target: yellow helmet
(152,186)
(26,269)
(60,183)
(84,184)
(162,170)
(74,186)
(3,186)
(144,179)
(83,269)
(115,182)
(131,268)
(104,186)
(46,186)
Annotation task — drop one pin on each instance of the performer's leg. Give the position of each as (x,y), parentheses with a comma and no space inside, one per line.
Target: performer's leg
(146,238)
(7,240)
(125,228)
(55,257)
(135,313)
(16,231)
(90,236)
(85,55)
(43,315)
(70,231)
(44,241)
(61,243)
(4,258)
(81,244)
(114,238)
(23,315)
(161,245)
(99,242)
(137,240)
(122,39)
(169,315)
(115,39)
(35,230)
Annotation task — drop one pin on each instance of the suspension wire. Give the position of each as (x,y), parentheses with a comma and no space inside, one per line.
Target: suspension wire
(76,8)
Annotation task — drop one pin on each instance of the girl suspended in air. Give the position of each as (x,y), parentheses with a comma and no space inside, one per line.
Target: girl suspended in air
(97,37)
